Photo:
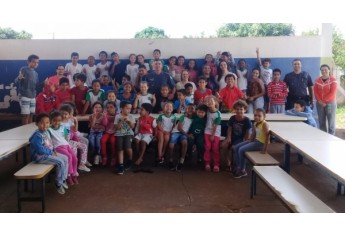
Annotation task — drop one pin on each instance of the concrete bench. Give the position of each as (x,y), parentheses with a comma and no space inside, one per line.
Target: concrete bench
(296,197)
(32,171)
(256,158)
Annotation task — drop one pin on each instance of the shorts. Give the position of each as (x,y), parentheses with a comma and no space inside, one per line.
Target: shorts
(27,105)
(144,137)
(124,142)
(177,137)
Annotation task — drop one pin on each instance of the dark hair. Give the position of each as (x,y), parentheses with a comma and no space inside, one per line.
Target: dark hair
(74,54)
(132,54)
(165,85)
(225,54)
(181,57)
(59,66)
(258,69)
(127,77)
(220,70)
(33,57)
(188,85)
(63,80)
(325,65)
(261,110)
(202,78)
(240,103)
(229,75)
(95,81)
(124,103)
(147,107)
(72,105)
(79,76)
(172,58)
(66,107)
(111,103)
(300,102)
(241,60)
(111,91)
(96,103)
(183,91)
(277,70)
(103,52)
(266,60)
(142,67)
(54,114)
(157,50)
(202,107)
(40,116)
(195,65)
(296,59)
(113,54)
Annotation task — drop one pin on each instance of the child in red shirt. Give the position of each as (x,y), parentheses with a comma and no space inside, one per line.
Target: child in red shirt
(79,92)
(202,91)
(230,94)
(64,91)
(47,100)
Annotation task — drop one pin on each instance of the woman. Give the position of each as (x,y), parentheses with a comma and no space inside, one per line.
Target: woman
(325,90)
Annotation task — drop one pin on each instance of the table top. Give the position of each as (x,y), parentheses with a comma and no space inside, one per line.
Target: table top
(299,130)
(22,132)
(8,147)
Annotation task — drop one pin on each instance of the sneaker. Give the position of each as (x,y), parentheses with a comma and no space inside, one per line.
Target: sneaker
(96,160)
(121,170)
(113,162)
(179,167)
(161,161)
(216,169)
(239,174)
(128,165)
(171,165)
(70,180)
(60,189)
(208,168)
(88,164)
(83,168)
(64,184)
(75,180)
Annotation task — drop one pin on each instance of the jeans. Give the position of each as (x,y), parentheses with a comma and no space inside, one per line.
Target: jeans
(257,103)
(61,162)
(243,147)
(327,113)
(95,142)
(277,108)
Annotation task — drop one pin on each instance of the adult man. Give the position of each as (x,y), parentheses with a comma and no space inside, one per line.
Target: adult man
(300,86)
(158,78)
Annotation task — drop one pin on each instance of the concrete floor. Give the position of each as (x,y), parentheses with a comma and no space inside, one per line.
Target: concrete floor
(192,190)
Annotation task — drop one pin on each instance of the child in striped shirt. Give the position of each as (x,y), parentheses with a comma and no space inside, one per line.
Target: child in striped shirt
(277,93)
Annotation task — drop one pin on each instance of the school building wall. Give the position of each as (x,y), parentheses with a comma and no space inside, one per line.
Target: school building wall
(282,50)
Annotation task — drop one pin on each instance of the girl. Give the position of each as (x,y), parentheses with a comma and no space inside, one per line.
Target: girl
(242,72)
(209,60)
(212,134)
(179,68)
(224,71)
(185,78)
(58,135)
(68,122)
(132,68)
(193,71)
(172,66)
(96,130)
(256,92)
(141,61)
(108,136)
(165,124)
(111,97)
(127,95)
(258,140)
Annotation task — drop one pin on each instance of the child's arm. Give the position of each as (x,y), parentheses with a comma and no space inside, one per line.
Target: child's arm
(154,100)
(227,140)
(253,135)
(131,121)
(86,106)
(182,103)
(266,129)
(36,144)
(136,101)
(258,56)
(118,123)
(75,126)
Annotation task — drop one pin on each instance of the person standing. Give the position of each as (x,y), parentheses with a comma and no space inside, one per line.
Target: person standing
(325,91)
(300,86)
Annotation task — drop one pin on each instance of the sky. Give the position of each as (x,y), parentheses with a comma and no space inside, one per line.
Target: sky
(61,19)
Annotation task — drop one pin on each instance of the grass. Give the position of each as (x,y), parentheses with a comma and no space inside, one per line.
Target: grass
(340,117)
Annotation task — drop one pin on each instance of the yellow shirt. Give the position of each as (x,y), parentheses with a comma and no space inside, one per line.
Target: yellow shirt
(260,133)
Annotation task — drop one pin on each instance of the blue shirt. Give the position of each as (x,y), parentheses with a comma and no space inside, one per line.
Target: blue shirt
(307,113)
(298,83)
(155,81)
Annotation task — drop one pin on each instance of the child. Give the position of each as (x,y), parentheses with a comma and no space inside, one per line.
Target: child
(96,94)
(145,131)
(111,97)
(64,92)
(242,72)
(212,134)
(47,100)
(117,67)
(277,93)
(143,97)
(202,91)
(89,70)
(224,71)
(230,94)
(59,135)
(209,61)
(42,152)
(79,93)
(141,73)
(124,124)
(180,134)
(108,135)
(125,79)
(165,124)
(172,67)
(161,99)
(210,79)
(106,84)
(265,75)
(256,92)
(181,103)
(141,62)
(72,68)
(196,133)
(96,130)
(103,65)
(127,95)
(190,92)
(132,68)
(259,140)
(300,109)
(179,68)
(27,81)
(238,131)
(192,70)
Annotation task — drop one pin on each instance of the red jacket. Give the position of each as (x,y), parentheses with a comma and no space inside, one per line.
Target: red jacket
(47,102)
(325,91)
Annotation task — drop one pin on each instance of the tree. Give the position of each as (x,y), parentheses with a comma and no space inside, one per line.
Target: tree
(312,32)
(338,49)
(151,33)
(8,33)
(255,30)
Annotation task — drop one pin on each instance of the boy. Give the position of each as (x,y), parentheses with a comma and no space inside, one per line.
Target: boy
(89,70)
(202,91)
(42,152)
(180,105)
(300,109)
(180,134)
(72,68)
(47,100)
(265,74)
(106,85)
(64,92)
(103,65)
(157,57)
(161,99)
(27,81)
(143,97)
(230,94)
(125,79)
(189,92)
(238,131)
(79,93)
(93,95)
(145,131)
(277,93)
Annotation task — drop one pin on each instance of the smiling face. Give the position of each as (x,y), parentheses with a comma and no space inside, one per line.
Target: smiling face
(127,88)
(64,86)
(168,108)
(143,88)
(185,76)
(258,116)
(65,115)
(56,122)
(43,124)
(200,113)
(60,71)
(91,61)
(97,108)
(297,66)
(111,97)
(324,71)
(96,87)
(110,108)
(191,64)
(165,91)
(223,66)
(126,110)
(180,61)
(33,64)
(255,74)
(239,110)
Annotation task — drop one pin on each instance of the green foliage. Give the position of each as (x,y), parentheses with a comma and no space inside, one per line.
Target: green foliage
(151,33)
(338,49)
(255,30)
(8,33)
(312,32)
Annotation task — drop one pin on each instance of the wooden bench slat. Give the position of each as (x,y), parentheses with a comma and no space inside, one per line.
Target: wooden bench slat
(33,171)
(293,194)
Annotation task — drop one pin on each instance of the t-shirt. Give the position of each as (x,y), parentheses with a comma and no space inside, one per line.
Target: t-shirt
(213,118)
(190,98)
(277,92)
(198,126)
(27,85)
(79,97)
(129,99)
(72,69)
(145,124)
(266,75)
(92,97)
(242,81)
(90,73)
(187,122)
(183,108)
(160,102)
(117,102)
(125,127)
(102,68)
(238,128)
(298,84)
(145,99)
(67,125)
(58,136)
(155,81)
(229,96)
(199,97)
(167,121)
(64,96)
(132,71)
